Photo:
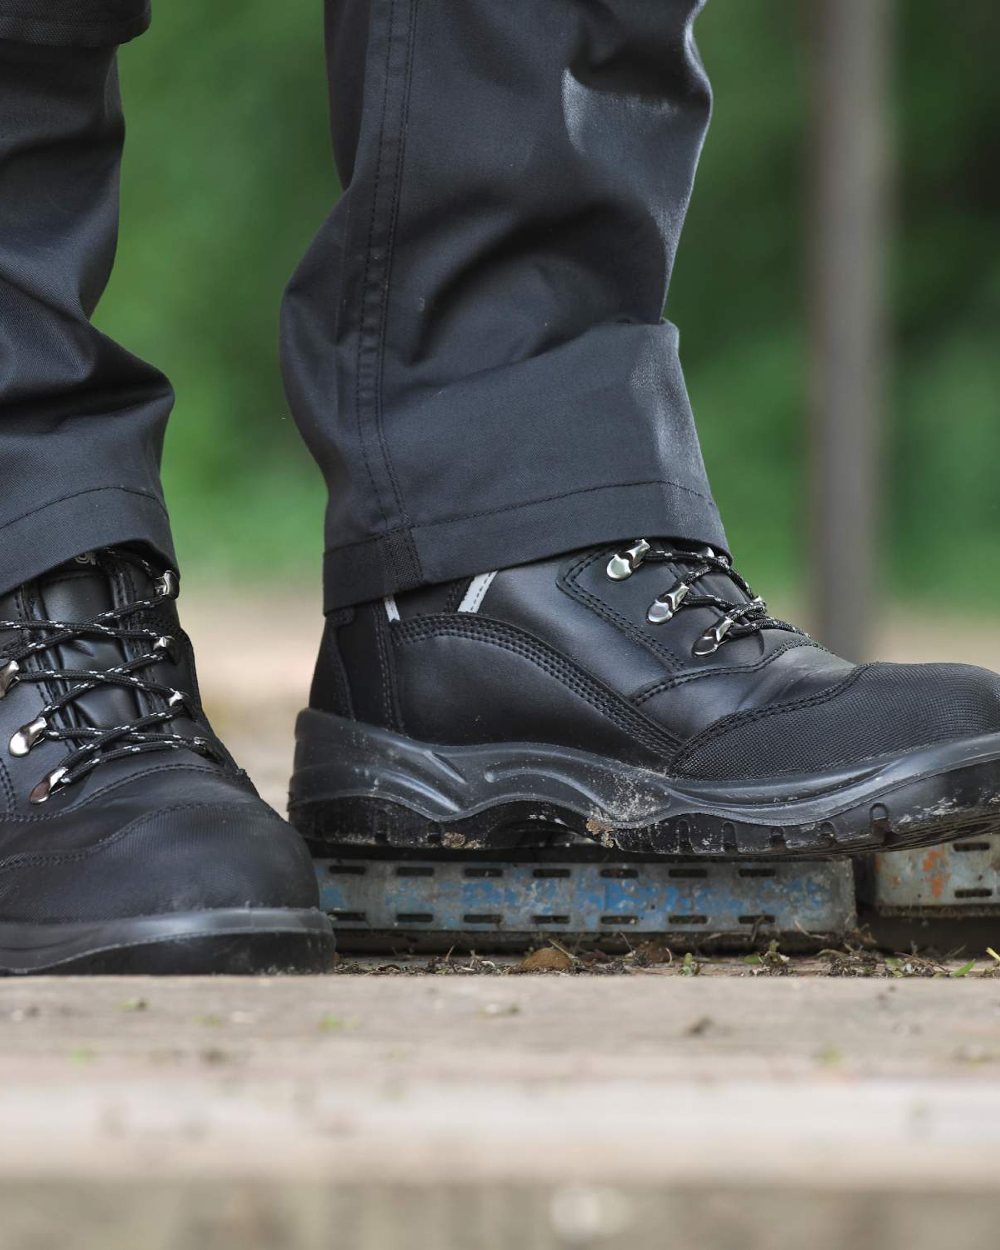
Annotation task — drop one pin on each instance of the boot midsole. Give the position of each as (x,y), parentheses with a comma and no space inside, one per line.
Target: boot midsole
(338,759)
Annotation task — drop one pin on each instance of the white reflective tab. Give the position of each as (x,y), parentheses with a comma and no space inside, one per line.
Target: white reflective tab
(474,596)
(391,611)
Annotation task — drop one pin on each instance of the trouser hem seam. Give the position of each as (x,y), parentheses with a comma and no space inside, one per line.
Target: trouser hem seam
(516,507)
(523,532)
(85,520)
(90,490)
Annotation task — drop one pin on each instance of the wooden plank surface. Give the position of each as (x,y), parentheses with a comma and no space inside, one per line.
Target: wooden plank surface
(521,1112)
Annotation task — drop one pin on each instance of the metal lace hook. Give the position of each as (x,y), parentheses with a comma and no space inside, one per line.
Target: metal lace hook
(664,607)
(624,563)
(45,787)
(28,735)
(712,639)
(8,676)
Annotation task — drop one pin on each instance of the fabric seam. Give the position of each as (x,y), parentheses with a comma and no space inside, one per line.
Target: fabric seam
(371,343)
(366,283)
(514,507)
(90,490)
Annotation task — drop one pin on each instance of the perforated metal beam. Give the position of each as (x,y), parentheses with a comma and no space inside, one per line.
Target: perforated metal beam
(501,904)
(956,879)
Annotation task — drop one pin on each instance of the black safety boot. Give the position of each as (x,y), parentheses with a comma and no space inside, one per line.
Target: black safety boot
(129,840)
(644,698)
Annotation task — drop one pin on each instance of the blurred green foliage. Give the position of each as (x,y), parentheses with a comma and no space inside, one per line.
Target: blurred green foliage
(228,173)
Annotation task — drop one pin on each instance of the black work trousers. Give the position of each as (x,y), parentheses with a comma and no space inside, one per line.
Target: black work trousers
(473,346)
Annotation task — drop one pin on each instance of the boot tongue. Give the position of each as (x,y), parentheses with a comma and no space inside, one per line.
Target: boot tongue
(81,590)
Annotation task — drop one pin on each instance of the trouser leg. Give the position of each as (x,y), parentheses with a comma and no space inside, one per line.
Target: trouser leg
(474,346)
(81,419)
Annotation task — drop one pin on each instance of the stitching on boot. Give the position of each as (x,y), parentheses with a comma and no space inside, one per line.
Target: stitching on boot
(683,679)
(570,582)
(721,727)
(499,634)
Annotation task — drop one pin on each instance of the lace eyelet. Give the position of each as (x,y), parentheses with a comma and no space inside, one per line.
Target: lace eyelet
(663,608)
(712,639)
(166,585)
(8,676)
(167,645)
(45,787)
(27,736)
(624,563)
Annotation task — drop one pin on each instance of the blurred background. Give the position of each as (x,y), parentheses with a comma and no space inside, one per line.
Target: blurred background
(228,173)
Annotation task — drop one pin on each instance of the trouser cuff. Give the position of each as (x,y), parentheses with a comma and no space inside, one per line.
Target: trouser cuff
(531,531)
(85,521)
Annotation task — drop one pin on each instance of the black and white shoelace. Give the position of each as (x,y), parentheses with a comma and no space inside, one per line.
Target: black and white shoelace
(739,618)
(96,745)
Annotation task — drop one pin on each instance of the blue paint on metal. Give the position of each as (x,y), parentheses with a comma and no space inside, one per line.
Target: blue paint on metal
(670,896)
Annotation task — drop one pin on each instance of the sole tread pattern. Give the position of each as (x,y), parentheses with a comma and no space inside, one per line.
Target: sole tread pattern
(375,823)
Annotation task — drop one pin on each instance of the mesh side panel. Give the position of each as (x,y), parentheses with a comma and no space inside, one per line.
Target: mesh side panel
(888,707)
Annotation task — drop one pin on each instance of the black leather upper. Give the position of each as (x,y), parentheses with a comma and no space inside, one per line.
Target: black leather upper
(165,830)
(559,652)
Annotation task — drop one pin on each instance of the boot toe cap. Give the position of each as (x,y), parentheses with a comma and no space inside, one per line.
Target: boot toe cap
(185,857)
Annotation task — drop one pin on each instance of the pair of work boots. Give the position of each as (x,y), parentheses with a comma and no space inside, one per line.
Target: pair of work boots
(640,697)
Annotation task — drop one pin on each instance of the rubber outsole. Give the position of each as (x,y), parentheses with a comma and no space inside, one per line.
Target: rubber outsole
(230,941)
(357,785)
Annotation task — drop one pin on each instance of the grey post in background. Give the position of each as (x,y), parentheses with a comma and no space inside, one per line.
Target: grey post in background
(849,235)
